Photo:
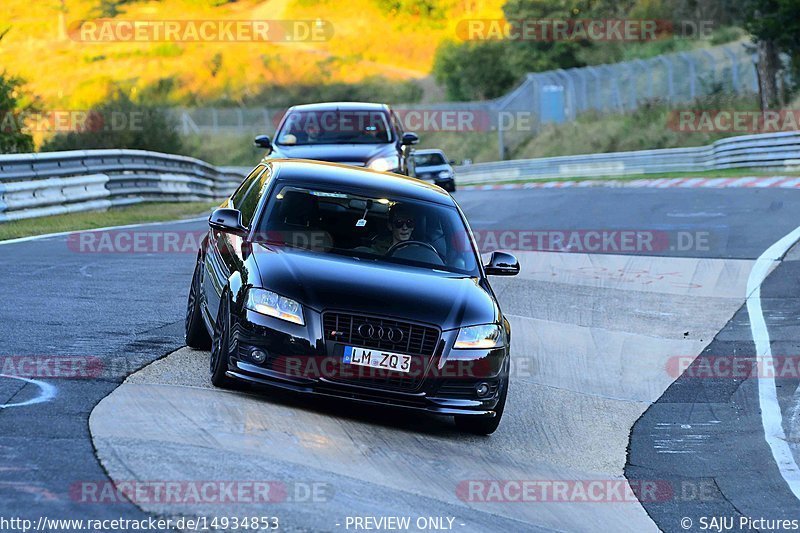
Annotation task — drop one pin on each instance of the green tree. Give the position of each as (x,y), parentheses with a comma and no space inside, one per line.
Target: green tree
(775,27)
(12,112)
(489,68)
(540,55)
(473,70)
(120,122)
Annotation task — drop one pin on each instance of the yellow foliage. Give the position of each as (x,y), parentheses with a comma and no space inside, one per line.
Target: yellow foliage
(367,41)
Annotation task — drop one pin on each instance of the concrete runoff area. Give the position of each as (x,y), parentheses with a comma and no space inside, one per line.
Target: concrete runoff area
(594,338)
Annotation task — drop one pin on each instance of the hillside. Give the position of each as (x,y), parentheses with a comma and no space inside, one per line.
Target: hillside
(371,38)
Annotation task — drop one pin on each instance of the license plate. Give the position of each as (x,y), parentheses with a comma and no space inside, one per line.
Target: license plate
(376,359)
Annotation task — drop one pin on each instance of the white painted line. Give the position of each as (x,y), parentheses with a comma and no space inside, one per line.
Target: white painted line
(771,416)
(63,233)
(46,392)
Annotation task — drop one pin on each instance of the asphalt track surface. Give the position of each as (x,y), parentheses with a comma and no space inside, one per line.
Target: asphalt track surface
(127,310)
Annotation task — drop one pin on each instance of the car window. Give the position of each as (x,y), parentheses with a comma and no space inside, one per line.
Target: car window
(249,201)
(398,125)
(396,230)
(237,196)
(429,160)
(334,127)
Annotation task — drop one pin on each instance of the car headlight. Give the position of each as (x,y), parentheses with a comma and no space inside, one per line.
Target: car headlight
(480,337)
(272,304)
(382,164)
(445,174)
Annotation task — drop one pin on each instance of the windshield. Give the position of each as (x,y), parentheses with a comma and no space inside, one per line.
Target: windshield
(334,127)
(429,160)
(382,229)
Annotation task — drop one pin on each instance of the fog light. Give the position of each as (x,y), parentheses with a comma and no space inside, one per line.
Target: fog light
(259,356)
(482,389)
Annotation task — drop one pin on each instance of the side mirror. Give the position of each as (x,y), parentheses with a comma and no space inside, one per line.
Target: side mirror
(409,138)
(264,142)
(502,264)
(228,221)
(452,161)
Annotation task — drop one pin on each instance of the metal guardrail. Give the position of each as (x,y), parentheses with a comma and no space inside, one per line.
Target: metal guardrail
(767,151)
(34,185)
(52,183)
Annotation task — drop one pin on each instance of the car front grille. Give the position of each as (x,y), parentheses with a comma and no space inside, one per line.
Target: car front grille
(417,340)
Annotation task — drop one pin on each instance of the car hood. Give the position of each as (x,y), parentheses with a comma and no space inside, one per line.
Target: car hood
(335,153)
(328,281)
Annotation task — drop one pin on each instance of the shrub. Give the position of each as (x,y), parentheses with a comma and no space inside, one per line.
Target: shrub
(12,138)
(121,123)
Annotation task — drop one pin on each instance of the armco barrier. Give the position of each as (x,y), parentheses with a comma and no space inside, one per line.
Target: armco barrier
(766,151)
(51,183)
(33,185)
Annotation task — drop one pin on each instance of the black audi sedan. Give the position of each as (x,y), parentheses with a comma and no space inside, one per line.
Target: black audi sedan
(337,281)
(352,133)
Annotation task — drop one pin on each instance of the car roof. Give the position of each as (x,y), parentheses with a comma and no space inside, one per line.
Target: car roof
(372,181)
(428,151)
(346,106)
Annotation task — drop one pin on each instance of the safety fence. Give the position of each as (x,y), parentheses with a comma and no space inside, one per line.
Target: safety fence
(33,185)
(767,151)
(52,183)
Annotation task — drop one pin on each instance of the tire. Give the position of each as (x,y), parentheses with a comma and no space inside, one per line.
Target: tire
(482,425)
(453,187)
(219,347)
(196,334)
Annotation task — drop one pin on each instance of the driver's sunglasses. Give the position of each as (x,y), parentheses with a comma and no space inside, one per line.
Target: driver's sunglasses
(399,223)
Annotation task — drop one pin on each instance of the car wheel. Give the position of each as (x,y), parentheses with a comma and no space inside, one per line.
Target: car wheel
(453,187)
(219,347)
(196,333)
(481,425)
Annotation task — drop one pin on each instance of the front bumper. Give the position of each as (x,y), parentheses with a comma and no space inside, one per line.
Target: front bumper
(301,360)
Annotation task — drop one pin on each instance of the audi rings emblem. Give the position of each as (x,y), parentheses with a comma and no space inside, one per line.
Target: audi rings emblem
(383,333)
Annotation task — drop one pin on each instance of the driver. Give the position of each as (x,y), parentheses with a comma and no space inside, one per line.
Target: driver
(401,224)
(312,131)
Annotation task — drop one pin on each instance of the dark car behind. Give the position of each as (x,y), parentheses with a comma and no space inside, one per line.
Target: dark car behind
(351,133)
(432,165)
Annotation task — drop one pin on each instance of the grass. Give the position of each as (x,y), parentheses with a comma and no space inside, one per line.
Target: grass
(224,149)
(119,216)
(726,173)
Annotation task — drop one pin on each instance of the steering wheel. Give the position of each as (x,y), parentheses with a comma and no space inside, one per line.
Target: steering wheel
(404,244)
